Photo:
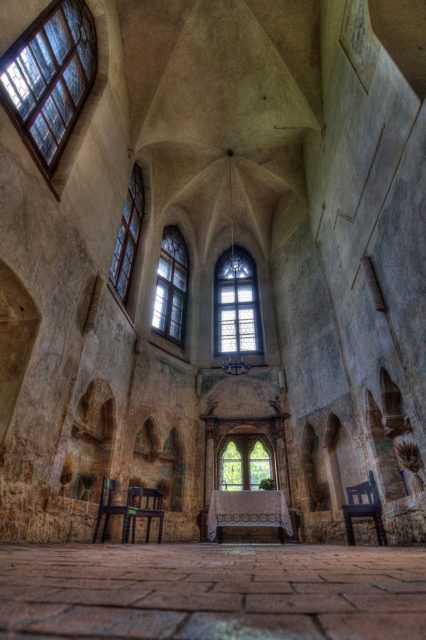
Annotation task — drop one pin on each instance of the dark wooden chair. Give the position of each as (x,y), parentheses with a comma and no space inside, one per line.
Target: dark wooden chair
(359,508)
(109,487)
(148,503)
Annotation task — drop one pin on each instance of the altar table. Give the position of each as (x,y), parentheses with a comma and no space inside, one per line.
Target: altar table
(248,509)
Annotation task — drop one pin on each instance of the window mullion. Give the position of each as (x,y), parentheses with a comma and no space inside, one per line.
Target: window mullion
(170,300)
(237,315)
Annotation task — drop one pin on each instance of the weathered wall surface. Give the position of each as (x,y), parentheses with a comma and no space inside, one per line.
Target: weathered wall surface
(365,181)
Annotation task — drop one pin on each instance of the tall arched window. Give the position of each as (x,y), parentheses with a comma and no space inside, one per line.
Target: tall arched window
(46,75)
(172,284)
(128,235)
(231,468)
(260,465)
(237,327)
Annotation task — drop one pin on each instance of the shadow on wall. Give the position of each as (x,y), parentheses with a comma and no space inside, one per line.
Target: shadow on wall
(19,321)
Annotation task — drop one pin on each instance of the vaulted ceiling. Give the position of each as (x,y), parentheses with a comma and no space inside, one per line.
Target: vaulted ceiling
(205,76)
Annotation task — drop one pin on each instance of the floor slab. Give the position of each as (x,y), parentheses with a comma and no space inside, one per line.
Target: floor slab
(212,592)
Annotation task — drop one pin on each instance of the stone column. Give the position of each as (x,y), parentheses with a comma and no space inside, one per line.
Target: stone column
(209,472)
(281,457)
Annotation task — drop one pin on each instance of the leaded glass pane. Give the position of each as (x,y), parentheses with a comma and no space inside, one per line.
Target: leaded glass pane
(58,37)
(231,468)
(73,18)
(174,245)
(227,294)
(52,116)
(160,307)
(134,226)
(18,90)
(235,264)
(127,208)
(228,330)
(260,465)
(179,277)
(122,284)
(44,59)
(62,101)
(164,268)
(43,138)
(245,293)
(31,72)
(74,80)
(113,268)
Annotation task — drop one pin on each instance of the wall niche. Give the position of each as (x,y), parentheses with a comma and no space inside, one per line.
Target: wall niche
(19,320)
(159,468)
(93,438)
(317,490)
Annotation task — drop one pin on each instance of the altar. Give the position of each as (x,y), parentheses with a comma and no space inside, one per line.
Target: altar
(248,509)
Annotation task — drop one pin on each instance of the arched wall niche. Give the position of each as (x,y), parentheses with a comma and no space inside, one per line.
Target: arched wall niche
(317,492)
(387,468)
(159,466)
(93,438)
(331,444)
(393,418)
(19,322)
(147,442)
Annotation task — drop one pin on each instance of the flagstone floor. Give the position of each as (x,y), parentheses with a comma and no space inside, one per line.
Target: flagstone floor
(212,592)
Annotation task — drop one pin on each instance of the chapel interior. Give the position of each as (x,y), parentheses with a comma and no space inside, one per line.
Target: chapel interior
(212,273)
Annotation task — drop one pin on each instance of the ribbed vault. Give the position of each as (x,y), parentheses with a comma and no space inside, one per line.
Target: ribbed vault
(210,75)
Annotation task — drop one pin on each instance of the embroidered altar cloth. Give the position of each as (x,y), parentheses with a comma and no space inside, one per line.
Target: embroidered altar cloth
(247,509)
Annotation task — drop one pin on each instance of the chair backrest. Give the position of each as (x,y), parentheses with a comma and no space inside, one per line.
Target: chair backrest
(143,498)
(109,487)
(355,494)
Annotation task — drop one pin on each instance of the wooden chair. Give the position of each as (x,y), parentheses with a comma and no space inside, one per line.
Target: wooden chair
(109,487)
(148,503)
(360,509)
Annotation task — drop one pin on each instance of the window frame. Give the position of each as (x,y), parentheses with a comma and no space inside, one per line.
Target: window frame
(139,184)
(219,306)
(245,443)
(11,56)
(172,288)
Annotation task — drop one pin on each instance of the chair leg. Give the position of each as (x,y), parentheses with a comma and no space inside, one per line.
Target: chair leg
(160,529)
(97,525)
(381,531)
(378,532)
(349,530)
(105,529)
(148,530)
(133,530)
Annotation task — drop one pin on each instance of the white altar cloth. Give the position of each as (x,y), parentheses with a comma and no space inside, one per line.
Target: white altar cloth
(247,509)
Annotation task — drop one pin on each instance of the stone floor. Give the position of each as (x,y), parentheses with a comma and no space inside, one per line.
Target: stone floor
(209,592)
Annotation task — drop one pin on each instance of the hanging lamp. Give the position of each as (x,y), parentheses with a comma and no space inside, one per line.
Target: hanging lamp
(235,365)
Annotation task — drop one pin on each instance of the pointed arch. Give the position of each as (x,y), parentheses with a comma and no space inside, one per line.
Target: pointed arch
(331,443)
(393,419)
(384,453)
(317,492)
(19,322)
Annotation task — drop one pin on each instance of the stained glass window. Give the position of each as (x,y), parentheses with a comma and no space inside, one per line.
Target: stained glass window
(237,308)
(46,75)
(125,247)
(260,465)
(172,284)
(231,468)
